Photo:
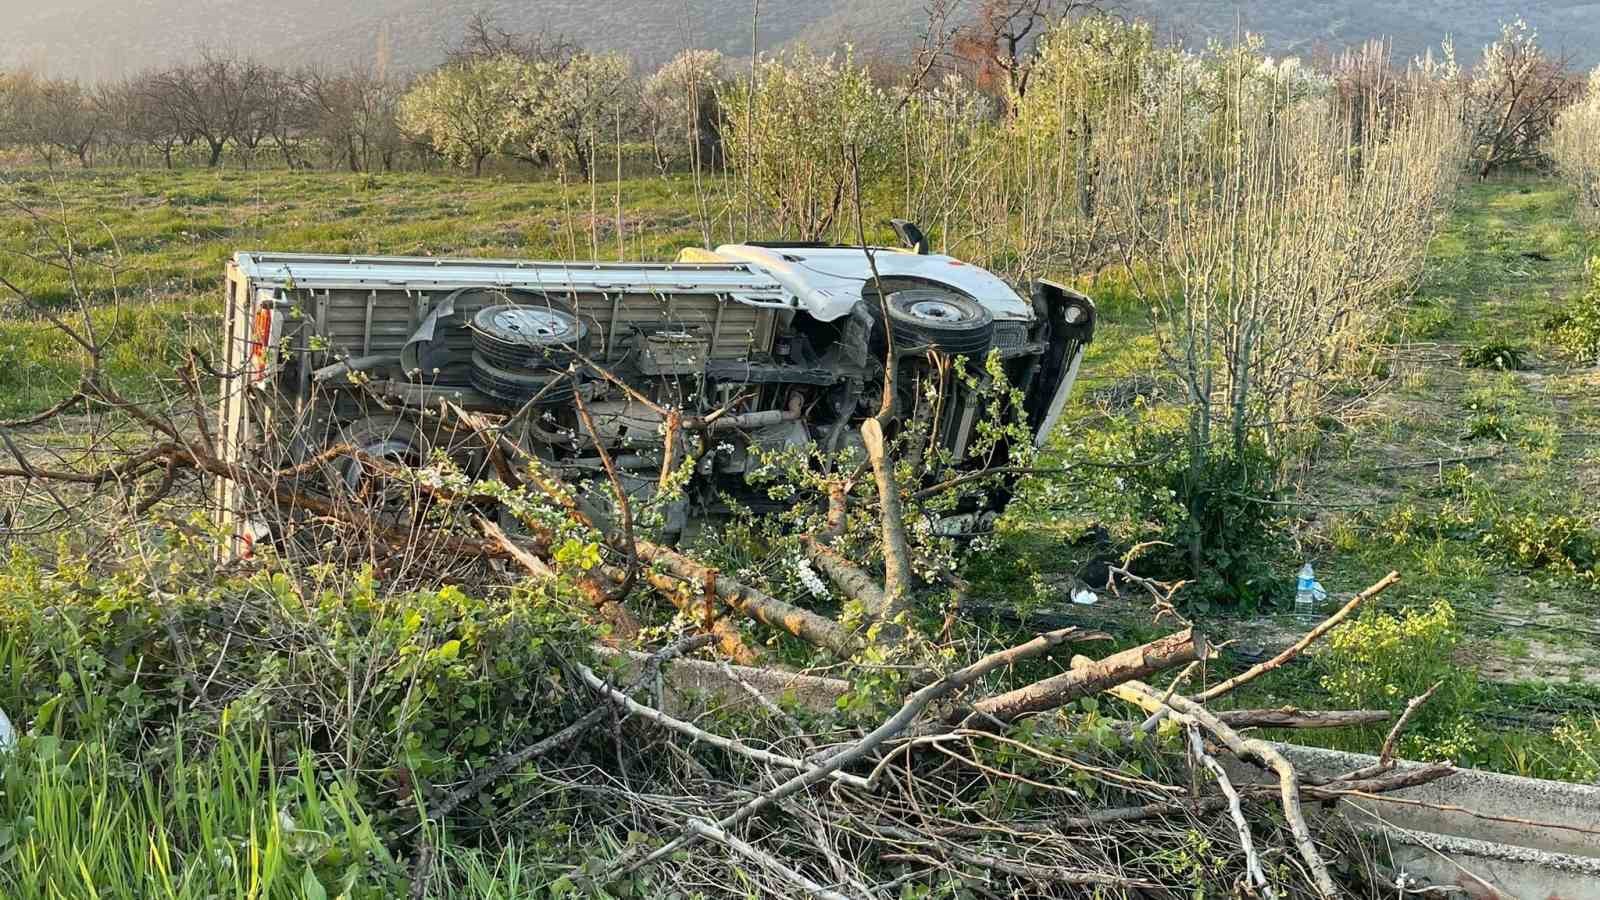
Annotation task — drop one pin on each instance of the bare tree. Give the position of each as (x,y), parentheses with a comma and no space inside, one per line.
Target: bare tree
(158,118)
(353,113)
(485,39)
(1000,39)
(52,116)
(1513,98)
(215,99)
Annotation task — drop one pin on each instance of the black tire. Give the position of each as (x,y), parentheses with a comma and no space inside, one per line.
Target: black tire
(528,337)
(519,386)
(383,437)
(943,320)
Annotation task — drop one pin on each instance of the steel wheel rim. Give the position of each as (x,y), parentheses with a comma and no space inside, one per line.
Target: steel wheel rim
(537,323)
(940,311)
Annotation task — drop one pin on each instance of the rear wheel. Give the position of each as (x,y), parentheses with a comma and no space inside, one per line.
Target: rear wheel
(387,439)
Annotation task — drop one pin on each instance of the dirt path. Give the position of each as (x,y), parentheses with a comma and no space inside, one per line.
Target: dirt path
(1477,483)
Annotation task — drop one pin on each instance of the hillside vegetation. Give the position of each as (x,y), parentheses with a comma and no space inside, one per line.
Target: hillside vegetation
(70,38)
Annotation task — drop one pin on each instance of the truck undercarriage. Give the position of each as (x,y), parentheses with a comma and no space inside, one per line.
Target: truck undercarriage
(630,372)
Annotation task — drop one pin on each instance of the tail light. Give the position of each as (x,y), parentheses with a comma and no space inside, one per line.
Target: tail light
(265,326)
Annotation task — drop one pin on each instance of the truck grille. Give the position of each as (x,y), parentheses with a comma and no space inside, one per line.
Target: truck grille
(1010,335)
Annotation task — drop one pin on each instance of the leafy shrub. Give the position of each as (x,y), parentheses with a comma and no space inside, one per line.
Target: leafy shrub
(1215,512)
(1494,354)
(1489,426)
(1577,743)
(1576,329)
(405,687)
(1540,539)
(1381,660)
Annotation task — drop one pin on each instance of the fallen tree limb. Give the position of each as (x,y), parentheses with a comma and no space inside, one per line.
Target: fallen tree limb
(1029,871)
(1392,739)
(1095,676)
(781,868)
(1197,749)
(860,749)
(1394,781)
(1290,717)
(896,592)
(811,627)
(1193,713)
(1299,646)
(694,605)
(850,578)
(731,745)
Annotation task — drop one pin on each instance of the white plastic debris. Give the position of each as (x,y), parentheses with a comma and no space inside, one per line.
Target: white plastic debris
(1085,597)
(8,736)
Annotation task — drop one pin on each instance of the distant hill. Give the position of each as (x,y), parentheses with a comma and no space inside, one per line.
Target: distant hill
(95,39)
(109,38)
(1311,27)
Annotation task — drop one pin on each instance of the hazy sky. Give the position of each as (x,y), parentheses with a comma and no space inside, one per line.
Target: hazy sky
(108,38)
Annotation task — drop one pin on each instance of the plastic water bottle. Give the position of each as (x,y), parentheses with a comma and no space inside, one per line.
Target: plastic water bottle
(1305,592)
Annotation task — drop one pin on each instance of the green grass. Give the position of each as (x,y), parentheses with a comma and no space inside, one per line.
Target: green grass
(152,246)
(80,824)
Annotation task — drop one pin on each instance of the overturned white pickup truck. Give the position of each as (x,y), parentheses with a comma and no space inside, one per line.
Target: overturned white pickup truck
(759,345)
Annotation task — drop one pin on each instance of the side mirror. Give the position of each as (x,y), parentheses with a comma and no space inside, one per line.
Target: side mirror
(910,235)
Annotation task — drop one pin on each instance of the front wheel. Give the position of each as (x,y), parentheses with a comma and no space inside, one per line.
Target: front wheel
(938,319)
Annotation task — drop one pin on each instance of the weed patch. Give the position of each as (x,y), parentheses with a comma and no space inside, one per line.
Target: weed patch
(1494,354)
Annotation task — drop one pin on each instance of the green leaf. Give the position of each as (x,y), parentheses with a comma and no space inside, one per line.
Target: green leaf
(449,650)
(311,887)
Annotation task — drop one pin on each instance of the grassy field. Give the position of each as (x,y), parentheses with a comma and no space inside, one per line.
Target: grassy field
(1460,477)
(1476,483)
(153,244)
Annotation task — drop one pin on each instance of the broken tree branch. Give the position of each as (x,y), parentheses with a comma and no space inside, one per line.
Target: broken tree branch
(1197,748)
(731,745)
(1190,712)
(1290,717)
(860,749)
(1095,676)
(896,551)
(1299,646)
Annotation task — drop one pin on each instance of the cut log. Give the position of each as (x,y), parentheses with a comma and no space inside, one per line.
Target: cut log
(849,577)
(815,629)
